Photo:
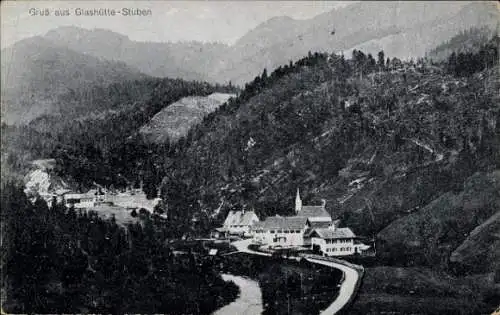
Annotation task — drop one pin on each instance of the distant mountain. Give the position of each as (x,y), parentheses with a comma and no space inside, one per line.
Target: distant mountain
(401,29)
(175,120)
(415,42)
(35,71)
(188,60)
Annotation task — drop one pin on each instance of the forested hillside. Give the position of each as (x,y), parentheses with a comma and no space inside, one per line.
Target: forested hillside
(186,60)
(406,154)
(379,139)
(94,133)
(466,41)
(58,261)
(327,106)
(36,71)
(55,260)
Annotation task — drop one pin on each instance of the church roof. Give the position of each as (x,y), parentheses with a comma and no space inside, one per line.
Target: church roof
(313,211)
(290,223)
(334,234)
(319,224)
(239,218)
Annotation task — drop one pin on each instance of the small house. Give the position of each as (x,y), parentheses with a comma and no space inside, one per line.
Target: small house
(333,241)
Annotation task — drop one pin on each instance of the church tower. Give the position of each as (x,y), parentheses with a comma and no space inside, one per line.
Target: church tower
(298,202)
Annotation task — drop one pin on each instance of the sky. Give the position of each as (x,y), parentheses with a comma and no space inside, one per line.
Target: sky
(208,21)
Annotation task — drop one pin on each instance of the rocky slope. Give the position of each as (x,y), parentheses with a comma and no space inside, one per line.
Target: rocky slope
(42,181)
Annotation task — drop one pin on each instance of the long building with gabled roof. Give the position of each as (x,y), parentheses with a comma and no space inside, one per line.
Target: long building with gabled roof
(280,231)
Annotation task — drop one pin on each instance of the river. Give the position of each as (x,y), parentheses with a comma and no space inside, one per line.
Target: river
(249,301)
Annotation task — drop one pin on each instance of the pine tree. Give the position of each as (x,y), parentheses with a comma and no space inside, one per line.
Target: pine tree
(381,59)
(264,75)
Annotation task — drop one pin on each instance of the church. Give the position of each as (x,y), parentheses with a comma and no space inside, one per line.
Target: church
(311,227)
(292,231)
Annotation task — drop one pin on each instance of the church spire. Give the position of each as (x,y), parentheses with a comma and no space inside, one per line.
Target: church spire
(298,202)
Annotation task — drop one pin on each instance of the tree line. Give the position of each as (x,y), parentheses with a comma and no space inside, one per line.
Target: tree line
(468,63)
(57,260)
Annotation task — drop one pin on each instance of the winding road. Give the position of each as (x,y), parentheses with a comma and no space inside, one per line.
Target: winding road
(347,287)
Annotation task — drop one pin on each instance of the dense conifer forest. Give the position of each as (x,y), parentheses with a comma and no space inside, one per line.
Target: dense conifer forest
(93,135)
(56,260)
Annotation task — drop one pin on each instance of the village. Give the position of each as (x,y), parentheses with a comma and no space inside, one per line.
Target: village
(312,228)
(108,203)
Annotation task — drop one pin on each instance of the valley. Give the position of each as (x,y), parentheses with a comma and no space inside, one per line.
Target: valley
(122,161)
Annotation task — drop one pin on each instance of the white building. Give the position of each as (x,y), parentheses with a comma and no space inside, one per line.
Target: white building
(99,194)
(238,223)
(80,200)
(334,241)
(280,231)
(292,231)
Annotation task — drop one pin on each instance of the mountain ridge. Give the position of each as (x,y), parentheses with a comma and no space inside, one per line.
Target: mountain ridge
(401,29)
(35,72)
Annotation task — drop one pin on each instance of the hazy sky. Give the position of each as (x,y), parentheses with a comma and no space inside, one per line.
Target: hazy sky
(223,21)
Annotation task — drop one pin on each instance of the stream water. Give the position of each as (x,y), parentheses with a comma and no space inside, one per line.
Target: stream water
(279,287)
(249,302)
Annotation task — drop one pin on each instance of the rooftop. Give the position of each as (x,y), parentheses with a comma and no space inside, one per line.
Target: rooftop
(239,218)
(291,223)
(313,211)
(319,224)
(334,234)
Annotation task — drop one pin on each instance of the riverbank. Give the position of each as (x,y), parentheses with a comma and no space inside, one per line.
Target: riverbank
(249,300)
(288,286)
